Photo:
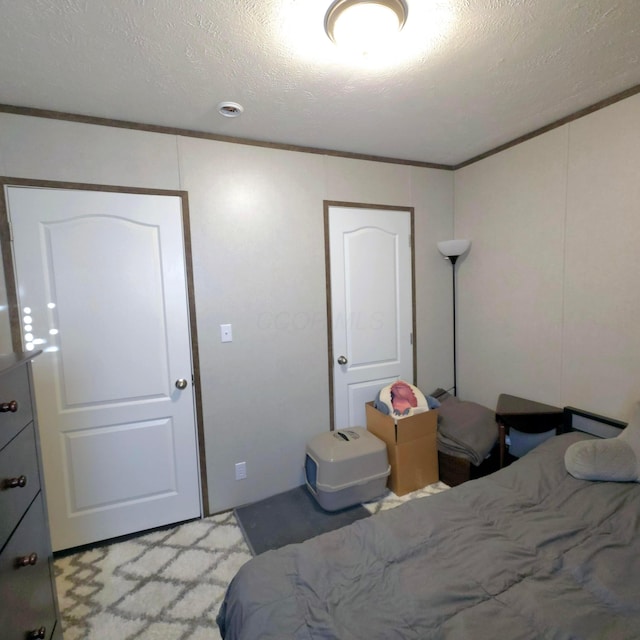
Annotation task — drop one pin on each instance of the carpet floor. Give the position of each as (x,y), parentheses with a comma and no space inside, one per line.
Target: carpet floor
(163,585)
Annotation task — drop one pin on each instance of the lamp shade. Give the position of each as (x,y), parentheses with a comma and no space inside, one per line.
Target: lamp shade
(450,248)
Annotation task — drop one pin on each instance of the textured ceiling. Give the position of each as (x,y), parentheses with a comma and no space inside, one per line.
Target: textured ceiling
(468,75)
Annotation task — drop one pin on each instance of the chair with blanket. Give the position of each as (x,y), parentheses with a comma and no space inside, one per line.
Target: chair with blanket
(467,437)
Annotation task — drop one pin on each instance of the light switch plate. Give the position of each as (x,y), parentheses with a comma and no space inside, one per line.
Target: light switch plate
(241,470)
(225,333)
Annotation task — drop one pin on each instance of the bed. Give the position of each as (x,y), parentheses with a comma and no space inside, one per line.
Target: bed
(526,553)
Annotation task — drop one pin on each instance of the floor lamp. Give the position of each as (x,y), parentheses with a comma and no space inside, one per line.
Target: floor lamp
(452,250)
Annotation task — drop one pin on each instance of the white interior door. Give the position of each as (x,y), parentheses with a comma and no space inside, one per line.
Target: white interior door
(371,306)
(102,288)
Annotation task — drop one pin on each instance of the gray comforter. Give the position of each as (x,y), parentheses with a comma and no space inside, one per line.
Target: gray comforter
(527,553)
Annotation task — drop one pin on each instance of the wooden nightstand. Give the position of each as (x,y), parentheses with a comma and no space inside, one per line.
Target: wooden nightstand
(524,415)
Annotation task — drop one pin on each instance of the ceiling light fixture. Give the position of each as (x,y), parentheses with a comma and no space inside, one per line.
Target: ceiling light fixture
(230,109)
(363,25)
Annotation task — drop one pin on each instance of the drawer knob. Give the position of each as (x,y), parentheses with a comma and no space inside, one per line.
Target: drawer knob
(7,407)
(37,633)
(27,561)
(14,483)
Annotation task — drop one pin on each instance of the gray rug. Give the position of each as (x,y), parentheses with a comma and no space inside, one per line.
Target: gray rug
(290,517)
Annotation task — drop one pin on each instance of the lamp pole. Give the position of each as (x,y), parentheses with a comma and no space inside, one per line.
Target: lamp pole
(452,250)
(453,273)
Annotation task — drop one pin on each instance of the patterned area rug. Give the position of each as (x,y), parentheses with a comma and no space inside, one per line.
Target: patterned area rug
(390,500)
(165,585)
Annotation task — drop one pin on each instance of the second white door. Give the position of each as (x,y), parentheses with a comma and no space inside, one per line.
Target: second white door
(371,306)
(102,289)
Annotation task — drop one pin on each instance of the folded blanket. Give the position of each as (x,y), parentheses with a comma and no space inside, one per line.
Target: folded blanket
(465,429)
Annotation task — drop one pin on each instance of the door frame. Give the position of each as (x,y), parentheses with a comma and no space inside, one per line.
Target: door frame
(6,246)
(327,262)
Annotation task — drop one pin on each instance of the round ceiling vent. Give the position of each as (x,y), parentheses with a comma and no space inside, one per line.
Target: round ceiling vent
(230,109)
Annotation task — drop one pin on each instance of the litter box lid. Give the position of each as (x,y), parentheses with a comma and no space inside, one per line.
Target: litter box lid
(348,457)
(345,444)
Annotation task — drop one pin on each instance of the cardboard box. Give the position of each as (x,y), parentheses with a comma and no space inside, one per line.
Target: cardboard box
(411,447)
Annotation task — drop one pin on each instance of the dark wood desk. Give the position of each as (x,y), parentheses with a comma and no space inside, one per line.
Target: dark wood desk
(524,415)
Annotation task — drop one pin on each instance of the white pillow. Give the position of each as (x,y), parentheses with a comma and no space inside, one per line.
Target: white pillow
(612,459)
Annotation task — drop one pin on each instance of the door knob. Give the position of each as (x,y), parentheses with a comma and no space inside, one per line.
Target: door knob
(12,406)
(181,383)
(342,360)
(26,561)
(14,483)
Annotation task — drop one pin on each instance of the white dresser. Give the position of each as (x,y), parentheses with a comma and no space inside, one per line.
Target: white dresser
(28,603)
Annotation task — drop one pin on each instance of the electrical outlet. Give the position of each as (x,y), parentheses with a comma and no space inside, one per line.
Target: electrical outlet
(226,334)
(241,470)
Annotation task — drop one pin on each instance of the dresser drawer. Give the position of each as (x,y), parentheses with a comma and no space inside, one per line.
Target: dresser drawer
(26,591)
(15,403)
(18,466)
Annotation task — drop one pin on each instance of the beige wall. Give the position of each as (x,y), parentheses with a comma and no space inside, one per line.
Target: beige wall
(549,295)
(601,338)
(510,285)
(258,256)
